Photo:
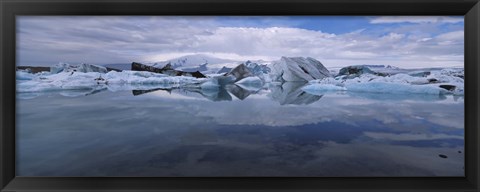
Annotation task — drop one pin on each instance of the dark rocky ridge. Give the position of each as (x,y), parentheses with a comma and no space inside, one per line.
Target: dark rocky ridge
(33,69)
(357,70)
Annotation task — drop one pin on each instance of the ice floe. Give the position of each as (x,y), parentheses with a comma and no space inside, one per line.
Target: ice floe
(444,81)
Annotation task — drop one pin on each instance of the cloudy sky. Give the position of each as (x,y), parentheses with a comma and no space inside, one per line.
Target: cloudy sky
(409,42)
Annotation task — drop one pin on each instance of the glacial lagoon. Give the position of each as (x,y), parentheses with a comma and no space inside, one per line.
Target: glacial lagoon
(279,130)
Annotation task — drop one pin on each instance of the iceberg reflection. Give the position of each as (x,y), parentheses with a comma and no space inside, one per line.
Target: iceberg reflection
(285,93)
(292,93)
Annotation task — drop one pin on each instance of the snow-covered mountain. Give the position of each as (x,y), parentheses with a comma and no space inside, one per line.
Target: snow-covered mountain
(196,62)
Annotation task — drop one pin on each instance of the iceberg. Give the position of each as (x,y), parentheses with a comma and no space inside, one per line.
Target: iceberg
(58,68)
(111,80)
(246,78)
(298,69)
(83,68)
(23,75)
(240,72)
(434,82)
(224,70)
(257,69)
(355,70)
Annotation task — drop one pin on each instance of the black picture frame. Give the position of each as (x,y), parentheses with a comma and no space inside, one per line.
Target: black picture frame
(11,8)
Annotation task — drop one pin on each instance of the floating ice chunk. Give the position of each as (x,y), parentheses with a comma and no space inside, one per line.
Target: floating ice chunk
(240,72)
(60,81)
(459,90)
(355,70)
(298,69)
(224,70)
(134,77)
(83,68)
(456,72)
(145,77)
(396,84)
(23,75)
(90,80)
(59,68)
(257,69)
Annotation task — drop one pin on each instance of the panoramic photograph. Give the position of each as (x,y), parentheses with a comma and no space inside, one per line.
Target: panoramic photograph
(240,96)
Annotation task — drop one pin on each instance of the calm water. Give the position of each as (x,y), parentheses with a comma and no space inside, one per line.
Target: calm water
(278,131)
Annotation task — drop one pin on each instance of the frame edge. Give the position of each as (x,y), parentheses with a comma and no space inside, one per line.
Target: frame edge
(472,46)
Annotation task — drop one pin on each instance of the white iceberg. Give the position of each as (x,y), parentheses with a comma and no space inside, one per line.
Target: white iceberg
(24,75)
(257,69)
(92,80)
(436,82)
(83,68)
(298,69)
(60,81)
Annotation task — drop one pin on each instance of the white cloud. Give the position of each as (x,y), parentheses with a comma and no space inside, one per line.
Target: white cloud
(99,40)
(452,36)
(415,19)
(231,56)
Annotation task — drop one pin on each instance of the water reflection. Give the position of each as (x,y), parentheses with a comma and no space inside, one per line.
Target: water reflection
(277,130)
(239,92)
(283,93)
(292,93)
